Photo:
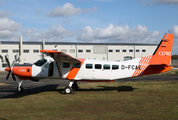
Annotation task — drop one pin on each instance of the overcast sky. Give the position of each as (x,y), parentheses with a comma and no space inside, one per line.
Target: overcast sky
(116,21)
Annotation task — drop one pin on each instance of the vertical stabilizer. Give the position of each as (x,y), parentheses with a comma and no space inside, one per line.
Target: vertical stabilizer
(162,54)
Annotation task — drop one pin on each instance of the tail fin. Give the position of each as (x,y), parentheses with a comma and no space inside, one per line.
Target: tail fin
(162,54)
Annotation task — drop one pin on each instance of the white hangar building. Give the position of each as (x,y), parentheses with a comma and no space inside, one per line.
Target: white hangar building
(29,52)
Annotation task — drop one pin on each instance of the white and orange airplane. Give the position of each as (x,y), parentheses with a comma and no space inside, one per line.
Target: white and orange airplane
(63,66)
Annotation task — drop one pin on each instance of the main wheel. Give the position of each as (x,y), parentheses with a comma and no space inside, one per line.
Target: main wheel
(20,89)
(75,87)
(67,90)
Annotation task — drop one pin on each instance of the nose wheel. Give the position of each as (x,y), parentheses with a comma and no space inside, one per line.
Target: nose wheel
(20,89)
(20,86)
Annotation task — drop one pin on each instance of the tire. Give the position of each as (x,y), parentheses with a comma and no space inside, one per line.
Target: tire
(75,87)
(20,89)
(67,90)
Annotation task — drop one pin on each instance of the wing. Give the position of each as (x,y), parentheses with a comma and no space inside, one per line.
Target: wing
(59,56)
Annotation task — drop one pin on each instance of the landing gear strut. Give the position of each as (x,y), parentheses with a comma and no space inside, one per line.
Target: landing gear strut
(20,86)
(71,88)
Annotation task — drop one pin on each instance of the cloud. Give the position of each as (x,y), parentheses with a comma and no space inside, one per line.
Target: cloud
(54,33)
(2,2)
(38,11)
(174,30)
(149,2)
(139,34)
(88,10)
(66,10)
(9,28)
(4,14)
(105,21)
(67,22)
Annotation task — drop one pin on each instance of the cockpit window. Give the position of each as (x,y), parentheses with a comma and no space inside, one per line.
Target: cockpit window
(40,62)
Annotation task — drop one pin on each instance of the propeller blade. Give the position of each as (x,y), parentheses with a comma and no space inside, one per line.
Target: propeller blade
(7,77)
(7,60)
(13,77)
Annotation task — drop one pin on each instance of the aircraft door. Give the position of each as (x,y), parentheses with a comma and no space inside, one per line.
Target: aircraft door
(88,72)
(50,70)
(44,70)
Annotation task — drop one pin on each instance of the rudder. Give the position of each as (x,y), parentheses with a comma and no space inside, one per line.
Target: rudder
(162,54)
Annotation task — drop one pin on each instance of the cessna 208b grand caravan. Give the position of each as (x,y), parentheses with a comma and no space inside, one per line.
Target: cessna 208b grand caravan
(63,66)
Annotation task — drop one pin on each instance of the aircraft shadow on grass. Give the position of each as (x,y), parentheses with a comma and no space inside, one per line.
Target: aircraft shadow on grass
(2,119)
(105,88)
(30,91)
(61,91)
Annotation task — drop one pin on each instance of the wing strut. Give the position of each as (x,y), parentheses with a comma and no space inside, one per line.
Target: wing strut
(59,68)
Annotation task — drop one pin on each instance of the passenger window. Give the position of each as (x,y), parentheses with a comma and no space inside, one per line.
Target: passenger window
(89,66)
(115,67)
(66,65)
(77,65)
(97,66)
(106,66)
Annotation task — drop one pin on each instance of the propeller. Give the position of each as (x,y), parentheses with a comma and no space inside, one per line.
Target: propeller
(9,68)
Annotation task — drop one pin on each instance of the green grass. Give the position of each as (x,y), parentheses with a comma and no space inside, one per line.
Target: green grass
(98,101)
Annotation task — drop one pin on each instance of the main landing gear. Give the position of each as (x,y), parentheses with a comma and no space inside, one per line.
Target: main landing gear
(20,86)
(71,88)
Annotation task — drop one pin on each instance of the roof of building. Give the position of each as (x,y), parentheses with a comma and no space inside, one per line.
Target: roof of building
(73,43)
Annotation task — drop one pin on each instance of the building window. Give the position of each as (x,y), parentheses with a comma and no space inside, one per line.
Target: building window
(63,50)
(89,66)
(117,50)
(137,50)
(72,51)
(36,51)
(143,50)
(106,66)
(4,65)
(26,51)
(4,51)
(115,67)
(15,51)
(80,51)
(97,66)
(130,50)
(77,65)
(88,51)
(124,50)
(110,50)
(66,65)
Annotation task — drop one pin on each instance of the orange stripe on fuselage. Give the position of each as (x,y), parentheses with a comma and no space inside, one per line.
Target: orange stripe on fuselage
(144,64)
(73,72)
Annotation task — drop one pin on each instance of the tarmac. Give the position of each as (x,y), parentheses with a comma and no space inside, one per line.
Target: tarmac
(8,88)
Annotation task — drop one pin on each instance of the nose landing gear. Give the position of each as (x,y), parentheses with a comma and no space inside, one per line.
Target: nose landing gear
(20,86)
